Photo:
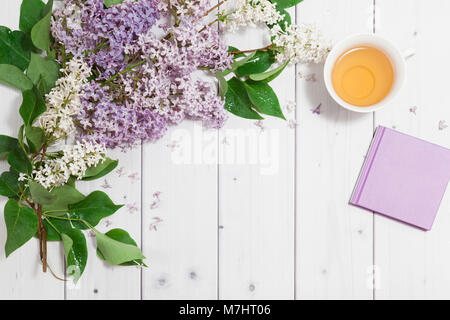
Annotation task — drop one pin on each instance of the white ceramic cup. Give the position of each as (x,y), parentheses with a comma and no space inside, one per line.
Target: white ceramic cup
(397,60)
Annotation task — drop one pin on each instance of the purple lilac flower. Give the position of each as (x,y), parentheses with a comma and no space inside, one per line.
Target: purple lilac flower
(89,27)
(185,9)
(160,86)
(167,81)
(104,120)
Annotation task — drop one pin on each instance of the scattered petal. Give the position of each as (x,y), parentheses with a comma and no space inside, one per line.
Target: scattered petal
(173,145)
(409,53)
(134,177)
(225,141)
(132,207)
(413,109)
(442,125)
(106,185)
(311,77)
(290,106)
(156,200)
(155,223)
(121,171)
(292,124)
(317,109)
(260,125)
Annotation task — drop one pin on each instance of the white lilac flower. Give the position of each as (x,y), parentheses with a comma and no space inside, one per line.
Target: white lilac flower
(75,161)
(299,43)
(52,173)
(290,106)
(251,13)
(63,101)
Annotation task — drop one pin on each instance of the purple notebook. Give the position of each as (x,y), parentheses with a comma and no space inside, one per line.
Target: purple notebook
(403,178)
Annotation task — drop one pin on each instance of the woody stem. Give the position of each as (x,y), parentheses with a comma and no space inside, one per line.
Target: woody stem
(216,6)
(252,50)
(42,233)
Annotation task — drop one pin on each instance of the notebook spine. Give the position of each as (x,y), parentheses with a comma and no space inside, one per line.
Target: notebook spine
(367,165)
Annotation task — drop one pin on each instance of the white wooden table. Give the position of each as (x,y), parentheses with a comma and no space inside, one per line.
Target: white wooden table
(281,229)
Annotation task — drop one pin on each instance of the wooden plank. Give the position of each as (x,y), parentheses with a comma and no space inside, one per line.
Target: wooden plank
(180,214)
(21,274)
(123,186)
(334,240)
(414,264)
(256,183)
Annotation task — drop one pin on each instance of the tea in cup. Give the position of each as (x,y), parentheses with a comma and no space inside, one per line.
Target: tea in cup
(363,72)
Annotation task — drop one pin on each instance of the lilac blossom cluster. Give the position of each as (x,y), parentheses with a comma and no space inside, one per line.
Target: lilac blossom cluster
(102,119)
(192,9)
(86,28)
(144,82)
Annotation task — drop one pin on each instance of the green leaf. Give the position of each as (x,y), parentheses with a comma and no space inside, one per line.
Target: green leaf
(27,106)
(286,3)
(100,170)
(39,92)
(93,208)
(40,194)
(9,185)
(21,225)
(64,195)
(41,88)
(223,84)
(76,255)
(33,105)
(30,14)
(124,237)
(63,226)
(237,101)
(260,62)
(19,160)
(35,137)
(110,3)
(47,9)
(269,75)
(14,48)
(7,144)
(75,249)
(40,33)
(14,77)
(72,180)
(116,252)
(20,137)
(264,98)
(67,243)
(237,63)
(52,235)
(43,69)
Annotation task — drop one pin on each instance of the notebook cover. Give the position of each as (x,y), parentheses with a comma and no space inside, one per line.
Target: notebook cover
(403,178)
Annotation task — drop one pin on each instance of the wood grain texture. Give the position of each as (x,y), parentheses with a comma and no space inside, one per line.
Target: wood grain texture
(257,196)
(414,264)
(180,230)
(334,240)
